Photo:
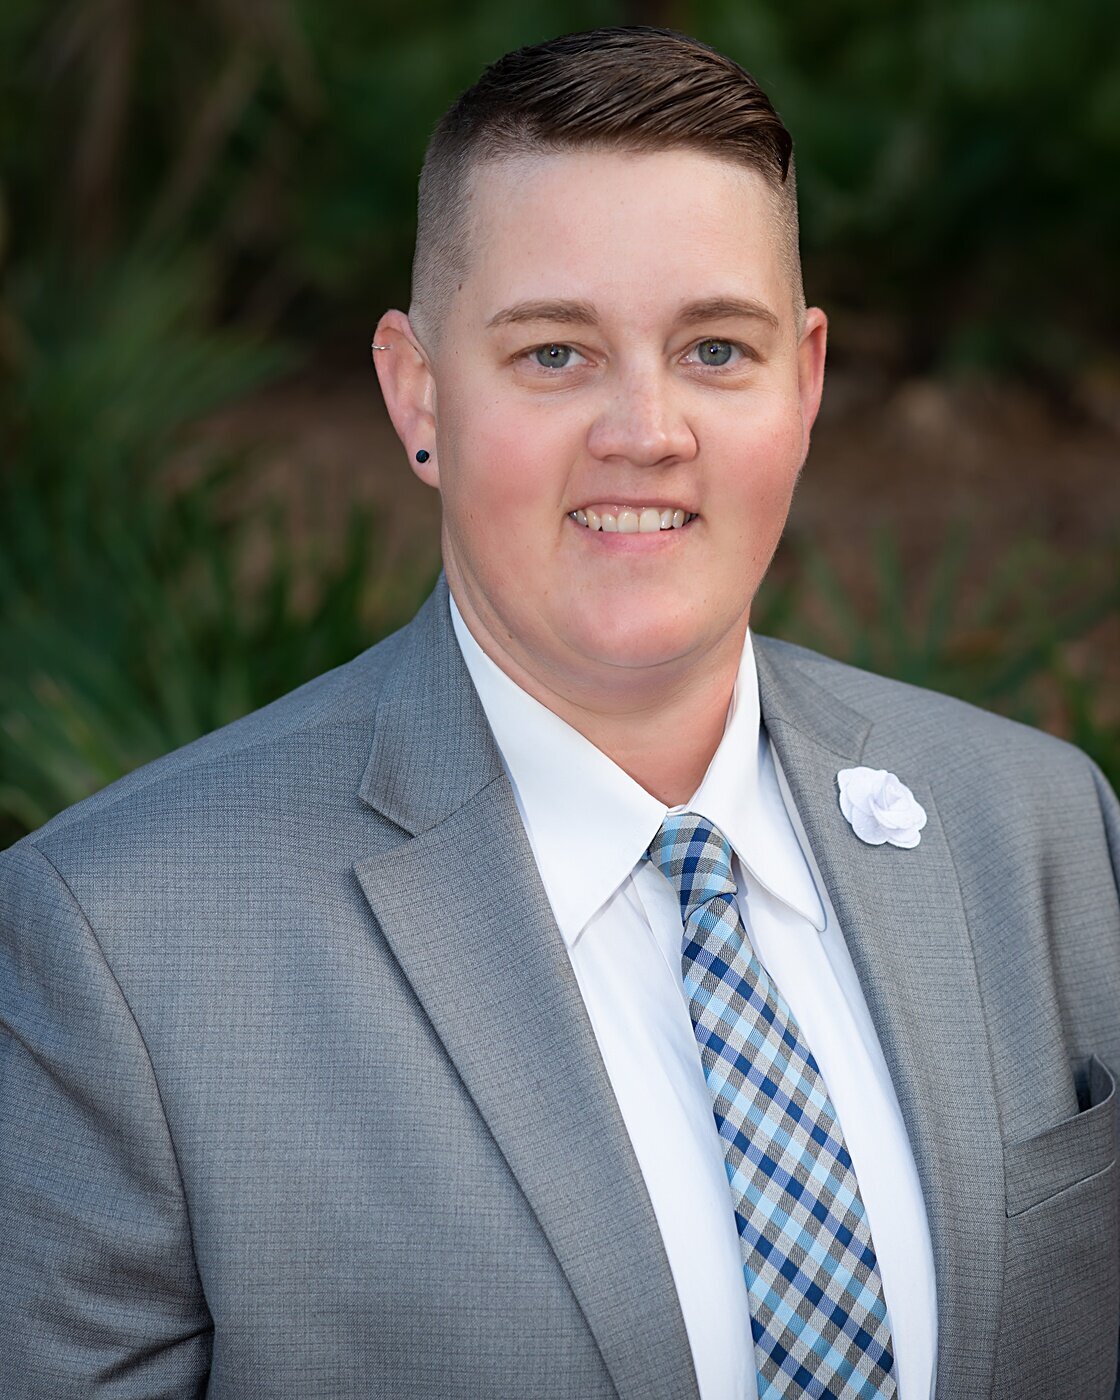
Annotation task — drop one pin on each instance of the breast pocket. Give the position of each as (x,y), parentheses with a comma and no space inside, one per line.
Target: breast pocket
(1071,1152)
(1061,1296)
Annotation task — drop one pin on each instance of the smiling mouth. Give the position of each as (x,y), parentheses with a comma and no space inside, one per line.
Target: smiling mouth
(632,520)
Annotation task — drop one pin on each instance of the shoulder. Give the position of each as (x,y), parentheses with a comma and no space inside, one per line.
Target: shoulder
(953,745)
(1019,809)
(315,738)
(929,718)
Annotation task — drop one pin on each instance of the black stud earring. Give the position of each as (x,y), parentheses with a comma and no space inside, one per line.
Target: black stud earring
(422,456)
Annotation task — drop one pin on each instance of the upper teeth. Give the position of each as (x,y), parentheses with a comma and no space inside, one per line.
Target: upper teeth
(632,520)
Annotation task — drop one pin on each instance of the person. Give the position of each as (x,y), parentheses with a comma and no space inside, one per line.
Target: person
(577,995)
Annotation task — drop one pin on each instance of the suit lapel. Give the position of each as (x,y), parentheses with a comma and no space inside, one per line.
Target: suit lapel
(904,923)
(469,923)
(468,920)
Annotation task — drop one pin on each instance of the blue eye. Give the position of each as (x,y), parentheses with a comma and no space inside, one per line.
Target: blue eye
(714,352)
(552,356)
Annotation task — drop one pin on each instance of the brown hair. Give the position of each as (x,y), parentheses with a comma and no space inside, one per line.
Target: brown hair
(627,89)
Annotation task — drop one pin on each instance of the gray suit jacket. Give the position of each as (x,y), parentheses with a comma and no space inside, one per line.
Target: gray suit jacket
(298,1097)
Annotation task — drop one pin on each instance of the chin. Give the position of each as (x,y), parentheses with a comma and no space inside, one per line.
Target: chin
(640,647)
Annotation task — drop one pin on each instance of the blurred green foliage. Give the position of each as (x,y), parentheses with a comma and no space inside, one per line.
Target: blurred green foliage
(956,164)
(132,617)
(186,190)
(1016,634)
(956,158)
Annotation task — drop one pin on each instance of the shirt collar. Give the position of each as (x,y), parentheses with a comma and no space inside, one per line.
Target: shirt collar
(741,795)
(589,823)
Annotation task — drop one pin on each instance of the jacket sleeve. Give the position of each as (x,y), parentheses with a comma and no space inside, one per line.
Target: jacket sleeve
(99,1293)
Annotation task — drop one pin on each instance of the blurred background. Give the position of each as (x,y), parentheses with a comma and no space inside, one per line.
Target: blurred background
(204,209)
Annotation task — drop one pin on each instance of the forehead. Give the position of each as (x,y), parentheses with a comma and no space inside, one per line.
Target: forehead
(622,229)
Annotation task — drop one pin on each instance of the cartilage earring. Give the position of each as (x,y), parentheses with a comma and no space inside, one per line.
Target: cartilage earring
(422,456)
(378,347)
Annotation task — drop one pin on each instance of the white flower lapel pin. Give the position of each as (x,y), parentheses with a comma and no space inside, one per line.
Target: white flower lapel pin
(880,808)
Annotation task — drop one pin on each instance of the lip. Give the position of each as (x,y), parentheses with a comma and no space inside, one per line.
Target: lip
(617,503)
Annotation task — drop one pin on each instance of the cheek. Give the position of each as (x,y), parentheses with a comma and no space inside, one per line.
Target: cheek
(768,466)
(506,462)
(502,484)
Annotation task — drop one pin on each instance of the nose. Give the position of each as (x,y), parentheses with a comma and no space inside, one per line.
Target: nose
(642,423)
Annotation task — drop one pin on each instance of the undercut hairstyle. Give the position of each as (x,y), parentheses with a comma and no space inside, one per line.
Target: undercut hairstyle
(634,90)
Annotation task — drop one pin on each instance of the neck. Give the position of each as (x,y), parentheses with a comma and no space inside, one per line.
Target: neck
(667,747)
(662,727)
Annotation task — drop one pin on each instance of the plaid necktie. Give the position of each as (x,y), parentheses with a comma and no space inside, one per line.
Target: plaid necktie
(818,1316)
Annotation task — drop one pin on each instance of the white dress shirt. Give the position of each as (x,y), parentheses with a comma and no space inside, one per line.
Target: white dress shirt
(589,824)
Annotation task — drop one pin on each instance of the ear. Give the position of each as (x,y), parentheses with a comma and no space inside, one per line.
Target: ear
(810,369)
(409,389)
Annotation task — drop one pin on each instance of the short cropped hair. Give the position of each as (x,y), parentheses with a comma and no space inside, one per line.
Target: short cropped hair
(636,89)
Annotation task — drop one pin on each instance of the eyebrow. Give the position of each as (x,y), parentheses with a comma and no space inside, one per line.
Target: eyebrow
(582,313)
(729,308)
(565,313)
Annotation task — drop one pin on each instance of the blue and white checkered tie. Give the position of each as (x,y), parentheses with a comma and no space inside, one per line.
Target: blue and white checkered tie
(818,1315)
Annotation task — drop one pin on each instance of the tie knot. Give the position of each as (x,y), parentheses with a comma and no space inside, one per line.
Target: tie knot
(696,857)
